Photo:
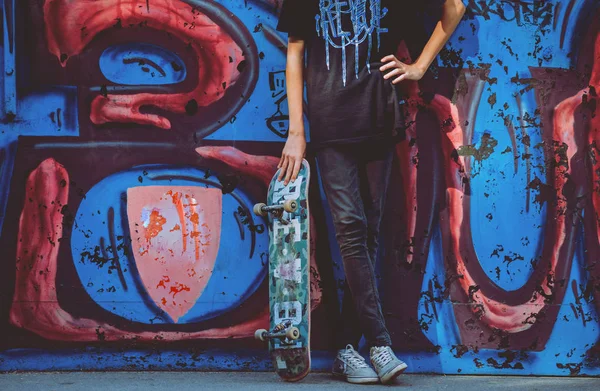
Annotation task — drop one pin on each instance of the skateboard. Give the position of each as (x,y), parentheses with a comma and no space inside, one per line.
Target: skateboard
(288,218)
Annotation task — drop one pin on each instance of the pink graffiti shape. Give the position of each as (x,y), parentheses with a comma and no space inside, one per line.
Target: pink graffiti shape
(491,311)
(71,26)
(175,233)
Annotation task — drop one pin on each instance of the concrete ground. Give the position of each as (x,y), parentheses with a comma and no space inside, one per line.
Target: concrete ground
(222,381)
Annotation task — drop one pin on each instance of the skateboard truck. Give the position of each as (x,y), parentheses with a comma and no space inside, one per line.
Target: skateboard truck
(263,210)
(283,331)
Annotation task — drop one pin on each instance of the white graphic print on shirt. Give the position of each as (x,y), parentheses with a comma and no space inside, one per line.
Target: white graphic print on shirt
(365,17)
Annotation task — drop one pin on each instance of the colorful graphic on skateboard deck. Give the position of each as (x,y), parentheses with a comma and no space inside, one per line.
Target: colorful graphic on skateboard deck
(287,211)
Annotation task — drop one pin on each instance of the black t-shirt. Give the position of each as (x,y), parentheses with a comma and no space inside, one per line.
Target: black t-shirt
(348,99)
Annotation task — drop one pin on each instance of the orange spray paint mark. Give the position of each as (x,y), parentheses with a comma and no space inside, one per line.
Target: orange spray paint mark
(163,281)
(155,225)
(175,289)
(194,219)
(176,199)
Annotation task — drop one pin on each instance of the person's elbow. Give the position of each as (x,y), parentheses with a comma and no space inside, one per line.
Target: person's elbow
(453,12)
(456,7)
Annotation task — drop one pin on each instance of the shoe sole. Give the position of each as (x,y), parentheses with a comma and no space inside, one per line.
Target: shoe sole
(357,380)
(394,373)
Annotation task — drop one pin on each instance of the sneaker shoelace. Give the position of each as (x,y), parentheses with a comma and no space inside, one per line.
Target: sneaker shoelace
(354,359)
(382,356)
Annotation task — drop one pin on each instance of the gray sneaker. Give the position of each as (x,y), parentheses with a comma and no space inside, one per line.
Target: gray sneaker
(387,365)
(353,367)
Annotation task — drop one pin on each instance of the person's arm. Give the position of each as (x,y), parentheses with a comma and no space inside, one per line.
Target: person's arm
(295,146)
(453,12)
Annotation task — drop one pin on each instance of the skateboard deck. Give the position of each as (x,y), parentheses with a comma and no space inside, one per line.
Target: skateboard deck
(288,216)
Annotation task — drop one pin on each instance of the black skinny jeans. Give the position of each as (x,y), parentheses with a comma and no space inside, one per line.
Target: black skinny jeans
(355,178)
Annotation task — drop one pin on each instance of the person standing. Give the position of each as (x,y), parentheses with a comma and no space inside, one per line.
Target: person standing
(344,51)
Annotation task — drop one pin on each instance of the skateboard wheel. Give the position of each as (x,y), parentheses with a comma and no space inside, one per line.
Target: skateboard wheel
(260,334)
(290,206)
(259,209)
(293,333)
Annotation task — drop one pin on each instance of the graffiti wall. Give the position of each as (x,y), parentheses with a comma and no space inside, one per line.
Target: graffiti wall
(136,136)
